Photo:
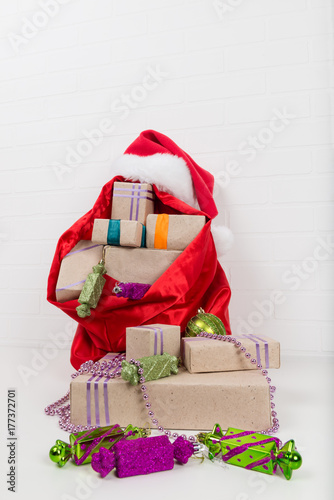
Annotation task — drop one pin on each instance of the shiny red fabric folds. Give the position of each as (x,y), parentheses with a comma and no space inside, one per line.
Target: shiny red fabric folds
(194,280)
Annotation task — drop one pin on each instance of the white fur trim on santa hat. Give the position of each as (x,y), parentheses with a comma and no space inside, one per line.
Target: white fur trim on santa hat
(168,172)
(223,238)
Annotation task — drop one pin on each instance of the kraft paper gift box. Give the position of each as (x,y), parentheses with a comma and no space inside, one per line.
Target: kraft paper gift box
(172,232)
(75,267)
(132,201)
(150,340)
(138,265)
(124,233)
(201,355)
(182,401)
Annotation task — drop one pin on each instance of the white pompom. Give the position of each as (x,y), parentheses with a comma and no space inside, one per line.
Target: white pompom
(223,238)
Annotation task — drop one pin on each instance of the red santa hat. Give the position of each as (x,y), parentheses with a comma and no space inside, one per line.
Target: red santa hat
(154,158)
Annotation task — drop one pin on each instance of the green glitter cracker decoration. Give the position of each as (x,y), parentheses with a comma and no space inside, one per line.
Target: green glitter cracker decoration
(151,368)
(92,290)
(83,444)
(252,450)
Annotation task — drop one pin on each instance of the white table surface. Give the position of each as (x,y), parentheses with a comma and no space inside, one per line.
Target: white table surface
(304,402)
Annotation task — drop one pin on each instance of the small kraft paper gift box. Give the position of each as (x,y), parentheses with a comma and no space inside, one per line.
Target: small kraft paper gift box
(124,233)
(74,269)
(201,355)
(132,201)
(172,232)
(138,265)
(151,340)
(182,401)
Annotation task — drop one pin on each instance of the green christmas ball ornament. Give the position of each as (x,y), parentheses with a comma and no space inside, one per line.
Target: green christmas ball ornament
(205,322)
(60,453)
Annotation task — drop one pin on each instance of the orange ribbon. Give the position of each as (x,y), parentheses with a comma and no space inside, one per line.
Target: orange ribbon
(161,231)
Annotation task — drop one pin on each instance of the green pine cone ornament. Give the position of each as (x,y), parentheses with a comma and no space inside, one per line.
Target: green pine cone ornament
(205,322)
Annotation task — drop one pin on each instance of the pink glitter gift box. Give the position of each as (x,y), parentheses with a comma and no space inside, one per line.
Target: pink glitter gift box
(143,456)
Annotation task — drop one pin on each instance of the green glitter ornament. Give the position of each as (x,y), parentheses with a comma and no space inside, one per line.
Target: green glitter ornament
(153,368)
(92,290)
(205,322)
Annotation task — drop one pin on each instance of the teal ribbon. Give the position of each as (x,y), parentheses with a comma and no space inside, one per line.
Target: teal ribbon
(114,232)
(143,237)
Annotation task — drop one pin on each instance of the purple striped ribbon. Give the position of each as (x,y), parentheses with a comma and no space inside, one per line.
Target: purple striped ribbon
(105,385)
(110,357)
(105,393)
(68,255)
(89,413)
(70,286)
(81,250)
(132,198)
(155,338)
(96,399)
(140,190)
(191,339)
(252,337)
(136,194)
(106,402)
(266,349)
(96,394)
(255,338)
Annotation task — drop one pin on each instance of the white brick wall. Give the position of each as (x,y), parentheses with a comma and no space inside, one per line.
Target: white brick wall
(229,67)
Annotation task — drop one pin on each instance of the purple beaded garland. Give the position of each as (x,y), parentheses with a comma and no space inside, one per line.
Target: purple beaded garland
(63,410)
(104,368)
(272,389)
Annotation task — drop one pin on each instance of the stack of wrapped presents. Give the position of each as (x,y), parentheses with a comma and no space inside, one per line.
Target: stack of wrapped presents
(215,382)
(134,234)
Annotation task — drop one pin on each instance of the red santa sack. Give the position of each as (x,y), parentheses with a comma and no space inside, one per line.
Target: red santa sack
(194,280)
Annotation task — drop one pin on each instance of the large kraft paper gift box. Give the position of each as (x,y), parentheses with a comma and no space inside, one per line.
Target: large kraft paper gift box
(150,340)
(75,267)
(172,232)
(138,265)
(182,401)
(132,201)
(124,233)
(201,355)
